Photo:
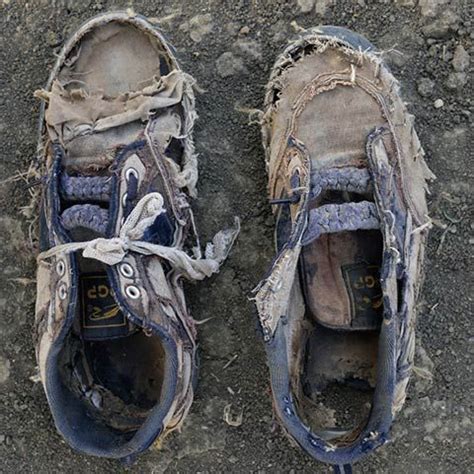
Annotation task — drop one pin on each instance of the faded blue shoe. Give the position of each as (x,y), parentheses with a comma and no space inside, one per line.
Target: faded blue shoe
(347,181)
(116,345)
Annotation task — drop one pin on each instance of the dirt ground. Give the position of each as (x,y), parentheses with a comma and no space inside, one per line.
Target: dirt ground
(229,46)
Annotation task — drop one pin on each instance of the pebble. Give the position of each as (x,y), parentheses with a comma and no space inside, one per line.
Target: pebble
(53,39)
(442,25)
(245,30)
(4,369)
(461,59)
(425,87)
(228,65)
(198,26)
(250,48)
(438,103)
(456,80)
(430,7)
(322,6)
(306,5)
(405,3)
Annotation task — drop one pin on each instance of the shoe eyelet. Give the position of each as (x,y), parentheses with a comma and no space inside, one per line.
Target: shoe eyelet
(132,292)
(60,267)
(126,270)
(62,291)
(131,172)
(124,199)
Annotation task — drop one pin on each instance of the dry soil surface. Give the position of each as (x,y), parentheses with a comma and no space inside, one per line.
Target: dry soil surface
(229,46)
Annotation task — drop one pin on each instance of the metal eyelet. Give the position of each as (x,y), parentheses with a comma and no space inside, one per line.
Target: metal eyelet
(62,291)
(131,172)
(60,267)
(126,270)
(124,199)
(132,292)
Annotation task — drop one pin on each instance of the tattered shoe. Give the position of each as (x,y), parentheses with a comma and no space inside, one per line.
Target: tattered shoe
(115,343)
(347,180)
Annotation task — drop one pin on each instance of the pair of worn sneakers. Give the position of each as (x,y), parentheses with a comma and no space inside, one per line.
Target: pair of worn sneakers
(116,345)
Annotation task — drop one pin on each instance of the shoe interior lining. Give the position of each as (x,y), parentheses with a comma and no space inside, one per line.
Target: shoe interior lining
(118,375)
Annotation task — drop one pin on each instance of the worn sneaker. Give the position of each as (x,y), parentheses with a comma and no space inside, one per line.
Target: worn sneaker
(115,343)
(347,181)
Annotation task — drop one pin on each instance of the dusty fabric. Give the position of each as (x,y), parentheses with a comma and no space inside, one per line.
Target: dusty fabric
(117,122)
(307,129)
(333,218)
(355,180)
(112,251)
(78,188)
(88,216)
(75,112)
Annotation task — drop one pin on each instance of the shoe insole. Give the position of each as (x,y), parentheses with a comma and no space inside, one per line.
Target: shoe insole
(340,276)
(131,368)
(341,286)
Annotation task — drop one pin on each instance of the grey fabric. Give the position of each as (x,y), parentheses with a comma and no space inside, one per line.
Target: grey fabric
(333,218)
(81,188)
(89,216)
(351,179)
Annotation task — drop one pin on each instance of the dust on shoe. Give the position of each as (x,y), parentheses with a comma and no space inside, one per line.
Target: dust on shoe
(116,345)
(347,180)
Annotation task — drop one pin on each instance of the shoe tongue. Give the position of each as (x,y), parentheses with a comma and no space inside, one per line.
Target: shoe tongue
(100,315)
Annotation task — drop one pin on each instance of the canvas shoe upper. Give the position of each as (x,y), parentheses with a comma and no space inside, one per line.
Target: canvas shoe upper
(116,345)
(347,180)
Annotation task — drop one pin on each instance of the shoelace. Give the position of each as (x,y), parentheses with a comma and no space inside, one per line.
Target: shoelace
(332,218)
(349,216)
(112,251)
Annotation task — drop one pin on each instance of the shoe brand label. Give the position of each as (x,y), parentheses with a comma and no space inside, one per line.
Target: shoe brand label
(365,293)
(101,316)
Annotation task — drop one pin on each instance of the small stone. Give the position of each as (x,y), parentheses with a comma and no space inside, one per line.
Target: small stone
(53,39)
(405,3)
(306,5)
(4,369)
(430,7)
(245,30)
(456,80)
(461,59)
(250,48)
(322,6)
(228,65)
(199,26)
(444,24)
(425,87)
(438,103)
